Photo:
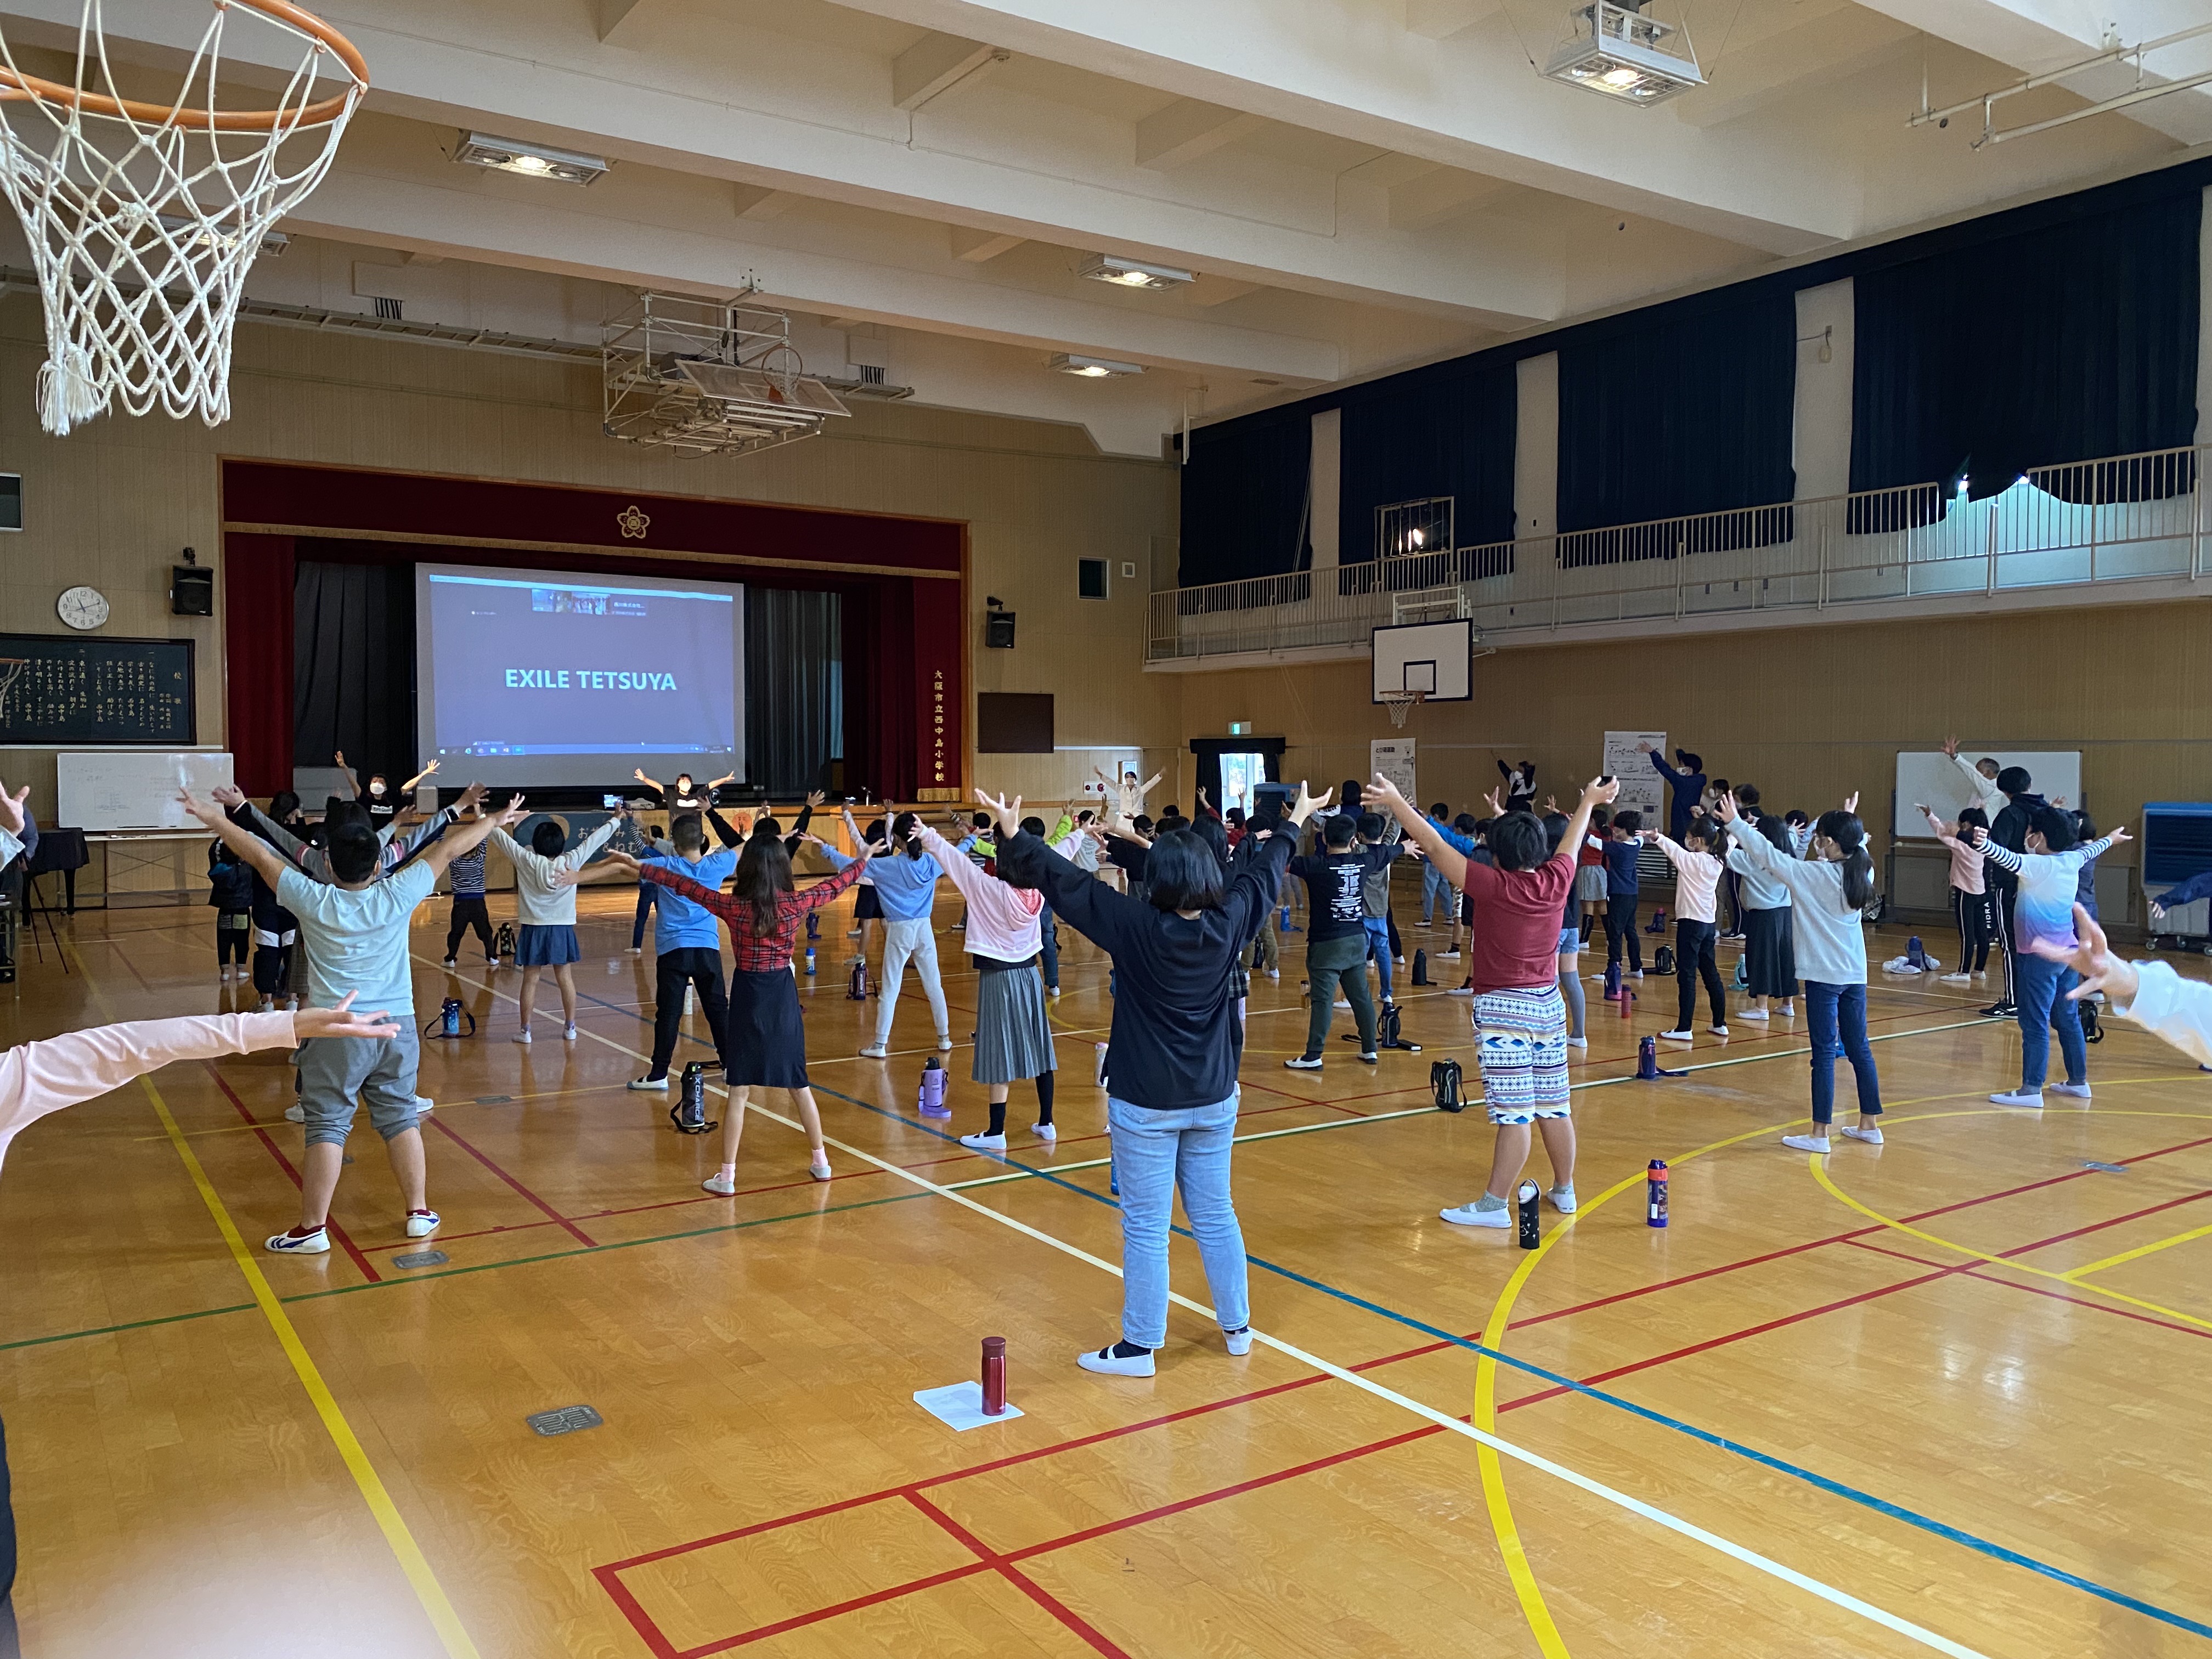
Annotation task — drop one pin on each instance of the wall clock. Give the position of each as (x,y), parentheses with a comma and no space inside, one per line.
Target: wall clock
(82,607)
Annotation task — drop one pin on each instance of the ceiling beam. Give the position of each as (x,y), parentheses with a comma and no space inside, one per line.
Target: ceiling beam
(1188,129)
(980,247)
(935,64)
(759,202)
(1439,196)
(1820,51)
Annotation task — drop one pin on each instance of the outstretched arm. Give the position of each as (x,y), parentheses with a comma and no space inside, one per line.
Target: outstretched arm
(653,784)
(353,784)
(465,838)
(1439,852)
(2186,892)
(269,864)
(408,787)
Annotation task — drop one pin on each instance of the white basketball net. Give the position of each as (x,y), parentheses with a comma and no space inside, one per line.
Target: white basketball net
(144,219)
(1400,704)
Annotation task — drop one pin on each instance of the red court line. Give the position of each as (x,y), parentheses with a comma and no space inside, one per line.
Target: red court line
(344,1239)
(1020,1580)
(559,1220)
(1987,1278)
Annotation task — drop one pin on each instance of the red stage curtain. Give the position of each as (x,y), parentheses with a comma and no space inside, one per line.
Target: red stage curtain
(258,645)
(880,732)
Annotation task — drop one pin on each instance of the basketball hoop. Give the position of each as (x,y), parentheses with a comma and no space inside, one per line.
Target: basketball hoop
(1401,704)
(144,218)
(11,670)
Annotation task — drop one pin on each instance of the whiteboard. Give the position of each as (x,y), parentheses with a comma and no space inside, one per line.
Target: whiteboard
(120,790)
(1935,777)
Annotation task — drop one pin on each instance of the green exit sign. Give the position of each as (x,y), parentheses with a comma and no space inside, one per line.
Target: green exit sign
(1240,728)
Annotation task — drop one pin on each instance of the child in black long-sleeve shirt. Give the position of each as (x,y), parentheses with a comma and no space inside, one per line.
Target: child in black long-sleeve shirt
(230,891)
(1622,890)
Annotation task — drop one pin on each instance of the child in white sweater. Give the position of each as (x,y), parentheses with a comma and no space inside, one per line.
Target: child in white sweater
(1697,877)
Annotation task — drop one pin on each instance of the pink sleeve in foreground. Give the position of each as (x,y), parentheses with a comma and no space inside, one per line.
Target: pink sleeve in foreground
(37,1078)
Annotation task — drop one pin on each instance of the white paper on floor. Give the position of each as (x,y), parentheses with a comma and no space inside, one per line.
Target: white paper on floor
(960,1406)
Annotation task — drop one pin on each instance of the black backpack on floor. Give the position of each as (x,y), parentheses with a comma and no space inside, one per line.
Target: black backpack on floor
(1663,959)
(502,942)
(1443,1084)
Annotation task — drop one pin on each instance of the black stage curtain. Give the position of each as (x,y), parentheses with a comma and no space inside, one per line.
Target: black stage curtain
(1690,414)
(1412,438)
(794,688)
(353,667)
(1244,499)
(1210,750)
(2065,343)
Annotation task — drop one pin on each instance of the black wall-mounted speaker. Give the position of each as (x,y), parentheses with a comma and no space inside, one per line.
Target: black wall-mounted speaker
(192,591)
(998,629)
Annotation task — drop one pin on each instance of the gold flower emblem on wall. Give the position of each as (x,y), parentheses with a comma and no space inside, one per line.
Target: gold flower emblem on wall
(633,523)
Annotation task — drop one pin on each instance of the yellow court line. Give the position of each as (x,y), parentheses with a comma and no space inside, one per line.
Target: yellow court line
(1842,1197)
(2129,1255)
(427,1590)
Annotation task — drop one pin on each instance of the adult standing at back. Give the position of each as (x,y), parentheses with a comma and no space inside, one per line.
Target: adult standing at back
(1685,788)
(1173,1053)
(2009,830)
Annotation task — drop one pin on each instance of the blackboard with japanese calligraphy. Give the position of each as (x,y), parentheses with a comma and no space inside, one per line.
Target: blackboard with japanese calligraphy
(86,691)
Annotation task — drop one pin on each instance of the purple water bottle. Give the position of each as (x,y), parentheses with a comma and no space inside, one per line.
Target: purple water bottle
(932,1090)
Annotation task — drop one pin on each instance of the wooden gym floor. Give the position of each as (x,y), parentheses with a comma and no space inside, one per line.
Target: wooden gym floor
(1944,1396)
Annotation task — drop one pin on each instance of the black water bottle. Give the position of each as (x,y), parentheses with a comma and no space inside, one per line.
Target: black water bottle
(1525,1201)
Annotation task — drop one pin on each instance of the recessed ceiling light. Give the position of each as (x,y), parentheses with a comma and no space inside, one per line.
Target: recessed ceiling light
(1093,368)
(533,161)
(1625,55)
(1132,273)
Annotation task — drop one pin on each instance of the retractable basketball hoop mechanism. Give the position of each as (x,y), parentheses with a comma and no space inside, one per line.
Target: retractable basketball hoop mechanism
(145,217)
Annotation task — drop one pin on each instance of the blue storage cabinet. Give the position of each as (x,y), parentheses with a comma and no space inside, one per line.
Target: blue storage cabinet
(2177,844)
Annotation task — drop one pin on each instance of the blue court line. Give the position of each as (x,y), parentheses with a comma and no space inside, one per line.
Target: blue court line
(1706,1437)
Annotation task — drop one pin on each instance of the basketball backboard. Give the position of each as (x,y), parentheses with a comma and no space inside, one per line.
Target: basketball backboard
(1429,658)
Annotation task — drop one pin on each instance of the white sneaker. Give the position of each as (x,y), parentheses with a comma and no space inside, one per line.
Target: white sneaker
(448,964)
(1422,925)
(1717,1030)
(1806,1143)
(1468,1216)
(1341,1002)
(424,1224)
(1872,1137)
(719,1184)
(568,1032)
(424,1103)
(2071,1091)
(1578,1042)
(637,950)
(658,1085)
(1240,1342)
(1301,1064)
(1371,1057)
(1046,1131)
(1956,979)
(1274,973)
(1751,1014)
(984,1143)
(875,1051)
(1676,1037)
(521,1036)
(2020,1098)
(1447,956)
(315,1243)
(1636,973)
(295,1113)
(1104,1362)
(1461,991)
(1788,1012)
(819,1168)
(268,1005)
(1563,1199)
(943,1043)
(492,963)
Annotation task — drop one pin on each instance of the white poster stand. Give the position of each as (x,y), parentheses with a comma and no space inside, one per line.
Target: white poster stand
(1393,758)
(1641,788)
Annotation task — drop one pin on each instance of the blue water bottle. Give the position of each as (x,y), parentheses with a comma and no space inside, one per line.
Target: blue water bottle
(1655,1194)
(810,959)
(1913,952)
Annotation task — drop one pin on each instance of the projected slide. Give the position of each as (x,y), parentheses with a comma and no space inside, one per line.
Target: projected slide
(548,676)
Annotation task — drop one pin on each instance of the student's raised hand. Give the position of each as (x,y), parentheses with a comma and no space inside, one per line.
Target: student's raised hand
(1601,791)
(1008,813)
(1309,804)
(338,757)
(342,1022)
(1724,807)
(2059,801)
(1923,809)
(511,813)
(1951,747)
(2157,911)
(2121,834)
(429,770)
(814,797)
(1496,807)
(2093,960)
(1851,803)
(228,795)
(472,795)
(1551,803)
(205,811)
(1976,835)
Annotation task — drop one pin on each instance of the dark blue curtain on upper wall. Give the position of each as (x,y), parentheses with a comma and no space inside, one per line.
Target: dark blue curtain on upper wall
(1416,436)
(1688,410)
(1244,499)
(2067,342)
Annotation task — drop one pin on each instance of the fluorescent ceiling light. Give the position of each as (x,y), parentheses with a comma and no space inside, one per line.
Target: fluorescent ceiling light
(1132,273)
(533,160)
(1619,51)
(1094,369)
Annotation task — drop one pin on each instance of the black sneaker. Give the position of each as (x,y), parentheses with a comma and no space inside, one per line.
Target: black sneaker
(2000,1011)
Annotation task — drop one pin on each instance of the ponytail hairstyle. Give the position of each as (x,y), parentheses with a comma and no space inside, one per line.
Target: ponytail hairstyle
(1850,835)
(764,877)
(1702,829)
(903,837)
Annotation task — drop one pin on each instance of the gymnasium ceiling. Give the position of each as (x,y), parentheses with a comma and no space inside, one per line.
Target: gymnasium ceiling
(1359,183)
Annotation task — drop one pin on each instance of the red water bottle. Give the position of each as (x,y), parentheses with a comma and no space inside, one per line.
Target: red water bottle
(994,1376)
(1655,1194)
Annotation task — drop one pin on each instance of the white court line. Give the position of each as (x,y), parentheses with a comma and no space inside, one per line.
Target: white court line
(1828,1593)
